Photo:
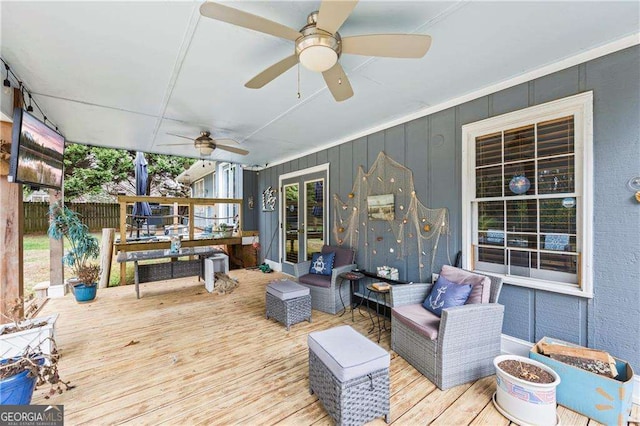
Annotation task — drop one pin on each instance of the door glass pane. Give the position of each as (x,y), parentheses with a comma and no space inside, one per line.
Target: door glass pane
(291,222)
(315,217)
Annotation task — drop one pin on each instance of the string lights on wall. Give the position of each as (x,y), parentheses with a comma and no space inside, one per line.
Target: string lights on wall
(7,85)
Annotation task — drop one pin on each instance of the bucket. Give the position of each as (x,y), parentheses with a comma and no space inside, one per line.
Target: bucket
(522,401)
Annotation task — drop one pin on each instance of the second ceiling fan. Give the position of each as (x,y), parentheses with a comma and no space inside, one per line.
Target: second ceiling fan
(318,45)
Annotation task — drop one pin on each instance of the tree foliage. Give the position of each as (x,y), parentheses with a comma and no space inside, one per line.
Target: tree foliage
(94,170)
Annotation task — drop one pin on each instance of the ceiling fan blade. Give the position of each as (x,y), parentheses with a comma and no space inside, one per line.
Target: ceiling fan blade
(174,144)
(232,149)
(226,141)
(180,136)
(338,83)
(333,13)
(247,20)
(388,45)
(272,72)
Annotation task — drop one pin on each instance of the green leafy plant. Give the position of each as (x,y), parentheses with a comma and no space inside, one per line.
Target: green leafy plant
(64,222)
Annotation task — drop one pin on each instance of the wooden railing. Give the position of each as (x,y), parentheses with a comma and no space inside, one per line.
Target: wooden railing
(126,203)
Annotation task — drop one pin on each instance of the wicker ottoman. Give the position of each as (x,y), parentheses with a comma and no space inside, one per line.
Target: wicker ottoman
(350,375)
(288,302)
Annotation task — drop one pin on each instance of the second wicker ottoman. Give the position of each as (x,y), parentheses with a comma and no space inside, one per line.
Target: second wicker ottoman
(350,375)
(288,302)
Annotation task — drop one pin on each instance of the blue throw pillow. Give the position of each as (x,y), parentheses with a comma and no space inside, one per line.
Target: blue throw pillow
(322,263)
(445,294)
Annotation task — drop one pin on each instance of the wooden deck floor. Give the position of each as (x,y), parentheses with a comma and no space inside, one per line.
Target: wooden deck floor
(181,355)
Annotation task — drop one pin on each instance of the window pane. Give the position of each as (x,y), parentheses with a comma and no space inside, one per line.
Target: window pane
(489,149)
(522,241)
(558,242)
(555,137)
(522,262)
(519,144)
(559,262)
(491,255)
(556,175)
(521,215)
(519,179)
(490,215)
(489,182)
(558,215)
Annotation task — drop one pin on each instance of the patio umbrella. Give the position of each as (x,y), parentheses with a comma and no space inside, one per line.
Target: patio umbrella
(141,209)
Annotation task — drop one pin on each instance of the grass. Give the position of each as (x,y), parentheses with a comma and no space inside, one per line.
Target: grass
(36,263)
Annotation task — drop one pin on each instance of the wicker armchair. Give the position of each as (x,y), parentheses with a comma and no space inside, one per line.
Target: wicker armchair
(467,340)
(327,290)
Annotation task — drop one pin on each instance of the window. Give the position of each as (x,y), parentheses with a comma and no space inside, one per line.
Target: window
(527,196)
(198,189)
(229,186)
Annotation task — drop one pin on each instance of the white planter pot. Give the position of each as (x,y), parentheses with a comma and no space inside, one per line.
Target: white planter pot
(524,402)
(14,344)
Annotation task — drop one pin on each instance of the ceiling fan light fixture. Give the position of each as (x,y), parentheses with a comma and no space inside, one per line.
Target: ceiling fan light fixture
(205,150)
(318,58)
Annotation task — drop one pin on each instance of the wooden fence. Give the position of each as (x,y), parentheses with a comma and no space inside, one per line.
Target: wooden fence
(95,215)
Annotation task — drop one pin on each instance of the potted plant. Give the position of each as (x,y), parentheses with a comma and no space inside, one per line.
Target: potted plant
(21,333)
(223,230)
(526,390)
(83,246)
(20,375)
(88,276)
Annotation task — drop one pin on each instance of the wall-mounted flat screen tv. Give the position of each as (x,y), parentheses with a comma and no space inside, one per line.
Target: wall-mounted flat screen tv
(36,152)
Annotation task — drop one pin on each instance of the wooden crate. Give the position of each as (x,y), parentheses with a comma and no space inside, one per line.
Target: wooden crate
(601,398)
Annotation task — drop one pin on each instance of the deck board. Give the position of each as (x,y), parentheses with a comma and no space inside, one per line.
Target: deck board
(203,358)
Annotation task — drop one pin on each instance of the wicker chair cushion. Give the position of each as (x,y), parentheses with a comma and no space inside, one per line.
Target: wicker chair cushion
(316,280)
(418,319)
(285,290)
(347,353)
(481,291)
(344,256)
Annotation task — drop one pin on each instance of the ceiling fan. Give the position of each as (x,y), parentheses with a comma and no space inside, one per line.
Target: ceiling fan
(206,145)
(318,45)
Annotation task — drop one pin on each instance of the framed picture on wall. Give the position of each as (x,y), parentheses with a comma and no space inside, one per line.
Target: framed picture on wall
(381,207)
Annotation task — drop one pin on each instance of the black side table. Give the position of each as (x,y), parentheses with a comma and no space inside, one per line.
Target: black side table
(377,293)
(353,277)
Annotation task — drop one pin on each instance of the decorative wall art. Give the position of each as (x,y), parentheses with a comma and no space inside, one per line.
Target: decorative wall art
(411,230)
(269,199)
(381,207)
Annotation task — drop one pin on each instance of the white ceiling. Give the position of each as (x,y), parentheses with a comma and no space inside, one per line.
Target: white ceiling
(124,74)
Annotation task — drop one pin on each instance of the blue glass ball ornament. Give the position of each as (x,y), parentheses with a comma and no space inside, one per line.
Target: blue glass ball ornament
(519,184)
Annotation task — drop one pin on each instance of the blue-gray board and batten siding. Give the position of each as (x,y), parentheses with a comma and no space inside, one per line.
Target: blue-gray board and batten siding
(431,148)
(250,189)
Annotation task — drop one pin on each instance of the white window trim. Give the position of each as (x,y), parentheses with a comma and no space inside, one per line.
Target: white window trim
(581,106)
